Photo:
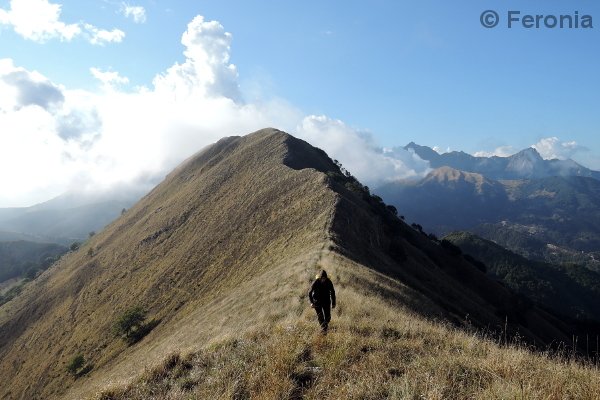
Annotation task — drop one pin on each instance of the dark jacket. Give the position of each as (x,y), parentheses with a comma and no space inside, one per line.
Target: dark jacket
(322,292)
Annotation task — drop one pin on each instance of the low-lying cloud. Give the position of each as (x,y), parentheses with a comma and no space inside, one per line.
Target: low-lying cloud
(502,151)
(551,148)
(55,138)
(359,152)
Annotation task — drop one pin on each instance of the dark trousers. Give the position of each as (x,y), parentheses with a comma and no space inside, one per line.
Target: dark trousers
(323,314)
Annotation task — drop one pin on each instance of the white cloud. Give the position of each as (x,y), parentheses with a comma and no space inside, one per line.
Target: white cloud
(439,150)
(206,70)
(101,37)
(358,152)
(62,138)
(137,13)
(109,79)
(552,147)
(502,151)
(39,21)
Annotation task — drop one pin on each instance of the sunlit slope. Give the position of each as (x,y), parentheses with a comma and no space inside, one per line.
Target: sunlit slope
(226,216)
(376,348)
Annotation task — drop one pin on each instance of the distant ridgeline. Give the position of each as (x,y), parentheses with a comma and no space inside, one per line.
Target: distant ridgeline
(548,210)
(22,259)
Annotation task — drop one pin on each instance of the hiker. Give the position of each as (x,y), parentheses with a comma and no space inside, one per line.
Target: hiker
(322,299)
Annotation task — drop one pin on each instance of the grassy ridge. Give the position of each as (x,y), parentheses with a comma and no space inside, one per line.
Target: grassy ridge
(376,349)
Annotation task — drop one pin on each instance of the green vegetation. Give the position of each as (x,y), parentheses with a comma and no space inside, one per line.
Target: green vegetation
(572,291)
(131,325)
(553,219)
(533,242)
(22,259)
(75,364)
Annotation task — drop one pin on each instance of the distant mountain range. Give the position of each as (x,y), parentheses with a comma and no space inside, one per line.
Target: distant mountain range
(67,218)
(551,212)
(526,164)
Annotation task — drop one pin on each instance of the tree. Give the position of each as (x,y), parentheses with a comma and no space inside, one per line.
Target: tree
(392,209)
(75,246)
(130,324)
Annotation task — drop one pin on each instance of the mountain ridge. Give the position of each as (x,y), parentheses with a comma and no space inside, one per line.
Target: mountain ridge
(525,164)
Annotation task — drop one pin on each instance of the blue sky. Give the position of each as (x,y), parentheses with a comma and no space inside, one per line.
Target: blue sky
(384,72)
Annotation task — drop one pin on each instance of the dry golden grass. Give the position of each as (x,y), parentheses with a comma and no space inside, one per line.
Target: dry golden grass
(194,253)
(375,350)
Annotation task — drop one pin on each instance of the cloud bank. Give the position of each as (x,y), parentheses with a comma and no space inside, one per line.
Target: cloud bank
(55,138)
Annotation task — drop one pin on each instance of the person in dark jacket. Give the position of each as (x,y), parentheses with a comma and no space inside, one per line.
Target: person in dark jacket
(322,299)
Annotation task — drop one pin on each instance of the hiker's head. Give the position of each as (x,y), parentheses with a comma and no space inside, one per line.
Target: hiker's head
(323,275)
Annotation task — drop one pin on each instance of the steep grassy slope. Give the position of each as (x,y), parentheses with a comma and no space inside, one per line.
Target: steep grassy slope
(212,231)
(226,246)
(376,349)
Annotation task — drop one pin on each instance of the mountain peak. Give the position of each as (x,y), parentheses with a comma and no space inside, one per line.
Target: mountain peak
(425,152)
(531,153)
(449,175)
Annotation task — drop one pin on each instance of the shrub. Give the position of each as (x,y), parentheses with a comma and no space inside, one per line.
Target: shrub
(417,227)
(75,365)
